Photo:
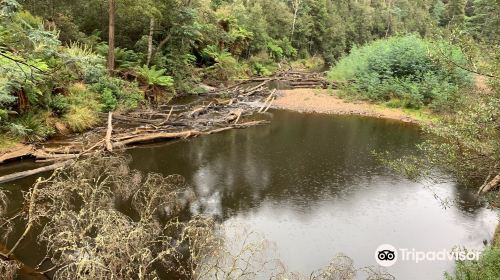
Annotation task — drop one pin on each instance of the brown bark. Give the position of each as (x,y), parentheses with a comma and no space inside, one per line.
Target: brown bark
(111,36)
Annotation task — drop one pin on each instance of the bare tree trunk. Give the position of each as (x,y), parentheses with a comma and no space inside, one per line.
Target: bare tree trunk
(389,21)
(296,6)
(160,45)
(111,35)
(150,40)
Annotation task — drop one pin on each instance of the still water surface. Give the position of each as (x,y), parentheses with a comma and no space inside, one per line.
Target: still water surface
(309,184)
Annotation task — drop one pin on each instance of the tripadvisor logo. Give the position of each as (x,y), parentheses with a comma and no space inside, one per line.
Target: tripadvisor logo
(386,255)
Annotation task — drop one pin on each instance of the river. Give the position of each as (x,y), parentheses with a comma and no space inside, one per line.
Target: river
(310,185)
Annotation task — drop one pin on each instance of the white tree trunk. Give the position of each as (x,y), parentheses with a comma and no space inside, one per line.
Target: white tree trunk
(150,40)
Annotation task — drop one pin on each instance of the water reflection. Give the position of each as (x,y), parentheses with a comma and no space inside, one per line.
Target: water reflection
(310,184)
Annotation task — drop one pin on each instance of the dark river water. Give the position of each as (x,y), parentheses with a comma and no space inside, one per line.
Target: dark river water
(309,184)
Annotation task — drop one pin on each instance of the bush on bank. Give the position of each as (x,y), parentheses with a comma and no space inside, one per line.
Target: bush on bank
(406,71)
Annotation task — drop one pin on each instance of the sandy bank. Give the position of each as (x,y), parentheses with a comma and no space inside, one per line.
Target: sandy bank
(322,101)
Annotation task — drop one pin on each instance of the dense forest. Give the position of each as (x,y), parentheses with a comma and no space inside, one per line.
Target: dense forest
(55,54)
(64,62)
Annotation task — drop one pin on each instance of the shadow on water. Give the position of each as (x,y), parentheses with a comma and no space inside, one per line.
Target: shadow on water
(310,184)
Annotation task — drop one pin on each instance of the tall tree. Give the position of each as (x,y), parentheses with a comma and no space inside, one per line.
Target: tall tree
(111,36)
(296,5)
(150,40)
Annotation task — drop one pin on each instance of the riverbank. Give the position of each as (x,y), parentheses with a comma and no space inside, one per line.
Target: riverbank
(325,101)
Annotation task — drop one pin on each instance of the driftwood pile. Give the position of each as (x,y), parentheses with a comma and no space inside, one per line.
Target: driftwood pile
(232,108)
(296,79)
(305,80)
(237,106)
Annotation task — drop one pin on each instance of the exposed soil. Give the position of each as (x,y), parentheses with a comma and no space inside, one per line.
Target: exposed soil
(322,101)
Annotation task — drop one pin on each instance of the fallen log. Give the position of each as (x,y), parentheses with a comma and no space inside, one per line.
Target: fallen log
(269,106)
(63,150)
(199,111)
(42,155)
(235,126)
(490,185)
(133,119)
(156,136)
(267,100)
(258,86)
(59,159)
(109,145)
(17,152)
(24,174)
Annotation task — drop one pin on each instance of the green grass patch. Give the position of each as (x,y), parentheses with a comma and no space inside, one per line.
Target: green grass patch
(7,141)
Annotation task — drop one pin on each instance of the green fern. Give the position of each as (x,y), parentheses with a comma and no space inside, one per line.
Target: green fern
(155,77)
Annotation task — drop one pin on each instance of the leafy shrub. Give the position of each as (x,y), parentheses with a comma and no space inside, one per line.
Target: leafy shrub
(487,267)
(3,115)
(288,50)
(117,94)
(124,58)
(108,100)
(404,68)
(313,63)
(155,77)
(30,127)
(58,104)
(261,70)
(225,68)
(84,63)
(26,76)
(275,51)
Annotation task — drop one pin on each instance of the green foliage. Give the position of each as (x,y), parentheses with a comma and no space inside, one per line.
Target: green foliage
(261,70)
(225,68)
(314,64)
(484,22)
(81,63)
(108,100)
(155,77)
(117,94)
(486,268)
(261,65)
(31,127)
(275,51)
(124,58)
(19,74)
(405,68)
(78,108)
(66,82)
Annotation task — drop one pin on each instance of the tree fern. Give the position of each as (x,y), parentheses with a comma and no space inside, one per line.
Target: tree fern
(155,77)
